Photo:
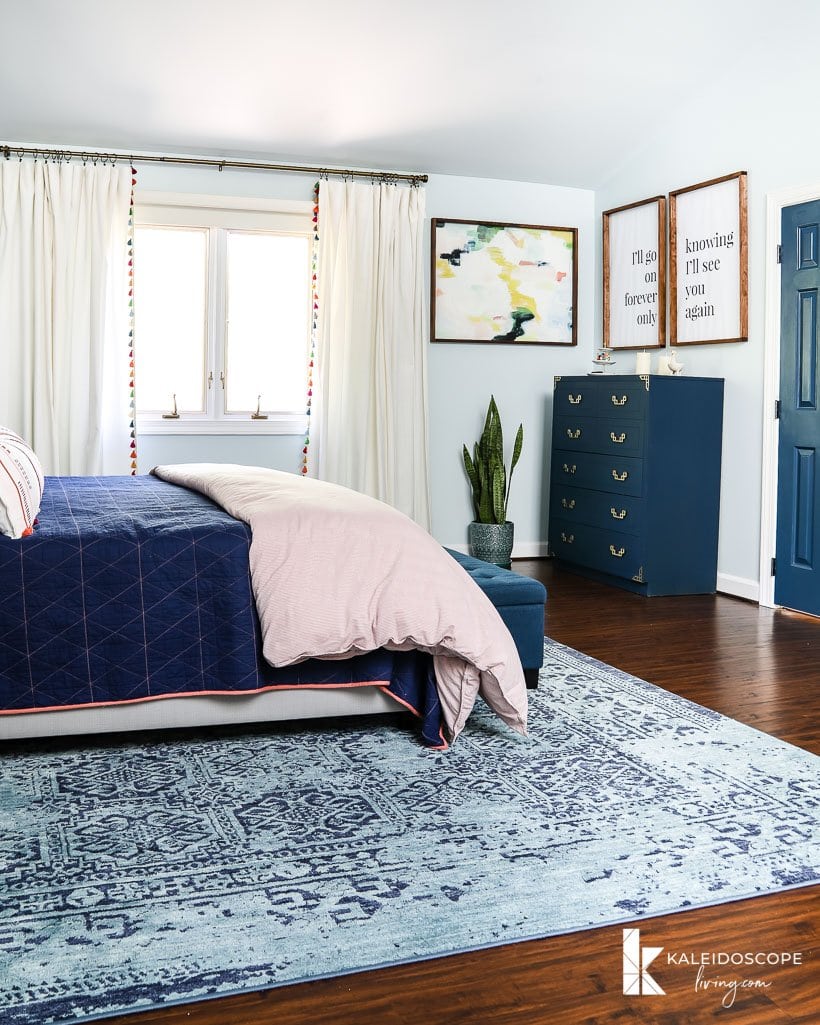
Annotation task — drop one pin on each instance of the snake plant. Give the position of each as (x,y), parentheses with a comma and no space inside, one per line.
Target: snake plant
(486,471)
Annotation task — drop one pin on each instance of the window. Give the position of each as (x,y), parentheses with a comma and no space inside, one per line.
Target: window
(222,300)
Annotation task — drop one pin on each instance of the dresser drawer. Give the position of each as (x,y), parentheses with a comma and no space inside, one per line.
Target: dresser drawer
(620,437)
(583,434)
(597,509)
(577,434)
(576,397)
(623,400)
(619,475)
(608,551)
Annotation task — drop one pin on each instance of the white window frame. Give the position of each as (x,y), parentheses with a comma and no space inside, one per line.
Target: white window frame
(173,209)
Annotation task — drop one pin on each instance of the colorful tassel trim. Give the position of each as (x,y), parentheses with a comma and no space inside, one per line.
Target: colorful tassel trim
(132,450)
(314,324)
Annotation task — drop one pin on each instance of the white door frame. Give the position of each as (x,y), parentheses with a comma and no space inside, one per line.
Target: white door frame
(775,202)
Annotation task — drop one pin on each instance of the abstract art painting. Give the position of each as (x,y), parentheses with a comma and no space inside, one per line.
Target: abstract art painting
(511,283)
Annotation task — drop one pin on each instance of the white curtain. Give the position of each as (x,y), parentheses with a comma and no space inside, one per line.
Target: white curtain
(370,393)
(64,321)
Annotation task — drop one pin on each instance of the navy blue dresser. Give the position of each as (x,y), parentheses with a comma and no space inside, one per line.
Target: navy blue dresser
(635,482)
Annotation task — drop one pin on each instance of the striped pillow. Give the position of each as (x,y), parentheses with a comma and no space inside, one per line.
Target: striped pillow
(21,485)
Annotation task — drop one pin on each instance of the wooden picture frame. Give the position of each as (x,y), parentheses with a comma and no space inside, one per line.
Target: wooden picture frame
(496,282)
(709,262)
(634,269)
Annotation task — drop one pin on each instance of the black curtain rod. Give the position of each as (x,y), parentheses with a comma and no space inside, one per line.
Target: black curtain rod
(10,151)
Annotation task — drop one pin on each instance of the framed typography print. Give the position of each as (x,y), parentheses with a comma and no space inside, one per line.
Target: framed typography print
(513,284)
(634,259)
(708,256)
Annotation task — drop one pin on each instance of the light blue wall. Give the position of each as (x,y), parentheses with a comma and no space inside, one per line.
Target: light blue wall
(278,451)
(762,124)
(461,377)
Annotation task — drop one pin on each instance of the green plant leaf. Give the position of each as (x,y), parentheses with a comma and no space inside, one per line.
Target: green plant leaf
(484,494)
(517,446)
(498,493)
(472,475)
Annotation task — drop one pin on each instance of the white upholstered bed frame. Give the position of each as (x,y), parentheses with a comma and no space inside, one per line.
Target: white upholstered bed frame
(198,710)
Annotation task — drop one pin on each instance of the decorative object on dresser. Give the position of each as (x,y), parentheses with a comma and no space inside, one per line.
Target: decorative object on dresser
(634,260)
(643,363)
(636,480)
(499,282)
(491,533)
(674,364)
(709,262)
(602,361)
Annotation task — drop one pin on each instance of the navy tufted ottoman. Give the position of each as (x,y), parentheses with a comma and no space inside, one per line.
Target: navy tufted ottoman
(520,602)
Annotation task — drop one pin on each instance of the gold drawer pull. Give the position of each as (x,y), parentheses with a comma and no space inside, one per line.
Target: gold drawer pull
(572,469)
(567,538)
(575,400)
(573,435)
(622,401)
(620,476)
(568,504)
(617,515)
(619,553)
(619,439)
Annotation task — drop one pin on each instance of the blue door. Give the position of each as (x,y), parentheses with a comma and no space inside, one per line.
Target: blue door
(797,566)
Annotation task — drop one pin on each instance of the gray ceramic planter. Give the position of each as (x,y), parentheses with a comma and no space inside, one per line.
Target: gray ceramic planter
(492,542)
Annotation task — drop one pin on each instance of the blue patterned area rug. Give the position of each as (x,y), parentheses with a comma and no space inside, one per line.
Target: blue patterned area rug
(144,872)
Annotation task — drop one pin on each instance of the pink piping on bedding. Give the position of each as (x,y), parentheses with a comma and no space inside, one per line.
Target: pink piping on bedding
(197,694)
(443,746)
(382,686)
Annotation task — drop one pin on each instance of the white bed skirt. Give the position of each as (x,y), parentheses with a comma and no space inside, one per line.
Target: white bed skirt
(210,710)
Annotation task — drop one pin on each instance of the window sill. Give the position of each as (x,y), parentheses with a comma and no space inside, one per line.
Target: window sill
(282,423)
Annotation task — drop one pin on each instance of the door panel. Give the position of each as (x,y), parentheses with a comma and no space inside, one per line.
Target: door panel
(804,510)
(797,577)
(807,350)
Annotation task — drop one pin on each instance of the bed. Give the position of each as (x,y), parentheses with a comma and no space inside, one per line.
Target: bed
(134,605)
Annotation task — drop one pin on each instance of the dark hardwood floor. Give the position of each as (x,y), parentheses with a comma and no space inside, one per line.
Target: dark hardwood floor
(757,666)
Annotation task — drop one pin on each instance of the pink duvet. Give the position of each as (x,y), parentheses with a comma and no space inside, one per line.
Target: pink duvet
(336,573)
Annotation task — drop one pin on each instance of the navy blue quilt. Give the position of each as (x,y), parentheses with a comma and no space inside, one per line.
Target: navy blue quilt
(131,588)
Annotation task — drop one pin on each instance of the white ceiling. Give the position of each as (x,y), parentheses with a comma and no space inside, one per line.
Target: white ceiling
(533,90)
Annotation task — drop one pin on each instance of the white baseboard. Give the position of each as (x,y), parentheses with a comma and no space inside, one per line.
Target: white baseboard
(530,550)
(521,549)
(739,587)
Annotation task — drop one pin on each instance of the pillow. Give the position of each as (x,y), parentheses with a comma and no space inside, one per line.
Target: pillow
(21,485)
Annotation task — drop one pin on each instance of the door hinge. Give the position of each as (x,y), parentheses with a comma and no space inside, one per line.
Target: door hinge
(779,253)
(774,565)
(777,409)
